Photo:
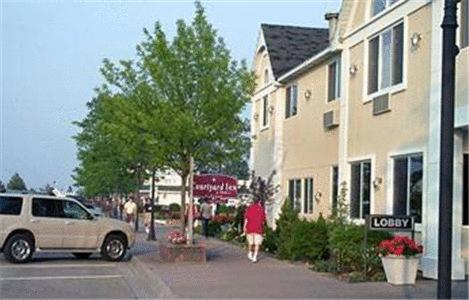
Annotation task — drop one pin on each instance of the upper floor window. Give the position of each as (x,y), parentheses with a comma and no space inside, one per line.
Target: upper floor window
(464,27)
(378,6)
(333,80)
(266,76)
(385,59)
(265,111)
(291,104)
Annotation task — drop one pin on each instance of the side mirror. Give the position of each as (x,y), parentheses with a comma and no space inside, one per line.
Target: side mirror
(90,217)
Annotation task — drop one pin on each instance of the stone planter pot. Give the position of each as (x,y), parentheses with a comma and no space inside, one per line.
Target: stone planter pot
(399,269)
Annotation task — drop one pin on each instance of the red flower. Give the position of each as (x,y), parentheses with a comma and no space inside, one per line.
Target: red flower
(400,245)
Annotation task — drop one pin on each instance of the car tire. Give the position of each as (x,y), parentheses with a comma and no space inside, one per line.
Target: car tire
(114,247)
(19,248)
(82,255)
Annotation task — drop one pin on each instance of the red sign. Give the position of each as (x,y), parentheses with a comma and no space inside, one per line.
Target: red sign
(215,186)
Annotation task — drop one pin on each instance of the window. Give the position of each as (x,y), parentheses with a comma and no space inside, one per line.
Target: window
(408,179)
(333,80)
(72,210)
(48,208)
(308,196)
(10,205)
(380,5)
(464,29)
(465,191)
(335,187)
(294,192)
(360,190)
(266,76)
(291,105)
(265,111)
(385,59)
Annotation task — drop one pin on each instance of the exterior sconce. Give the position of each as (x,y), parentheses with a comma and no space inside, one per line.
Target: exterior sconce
(271,109)
(353,69)
(256,116)
(308,94)
(415,39)
(377,182)
(317,196)
(253,136)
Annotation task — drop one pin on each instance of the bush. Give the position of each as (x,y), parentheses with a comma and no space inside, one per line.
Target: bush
(329,266)
(270,240)
(175,207)
(346,243)
(307,241)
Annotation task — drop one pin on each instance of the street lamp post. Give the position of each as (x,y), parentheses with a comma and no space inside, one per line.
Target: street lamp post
(450,50)
(151,233)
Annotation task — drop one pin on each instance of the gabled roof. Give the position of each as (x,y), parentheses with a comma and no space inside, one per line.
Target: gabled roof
(289,46)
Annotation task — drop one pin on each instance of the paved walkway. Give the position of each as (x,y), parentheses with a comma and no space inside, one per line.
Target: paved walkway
(229,274)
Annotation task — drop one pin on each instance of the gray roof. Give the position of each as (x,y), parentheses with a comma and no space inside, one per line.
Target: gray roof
(289,46)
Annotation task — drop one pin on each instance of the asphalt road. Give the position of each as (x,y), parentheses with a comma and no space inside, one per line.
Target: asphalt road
(64,276)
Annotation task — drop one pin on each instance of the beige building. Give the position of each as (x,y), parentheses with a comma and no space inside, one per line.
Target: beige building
(360,103)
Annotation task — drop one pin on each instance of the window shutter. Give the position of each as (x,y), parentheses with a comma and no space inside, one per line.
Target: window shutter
(400,186)
(397,53)
(287,102)
(355,192)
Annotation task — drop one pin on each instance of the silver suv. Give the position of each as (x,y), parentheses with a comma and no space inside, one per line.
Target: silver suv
(38,223)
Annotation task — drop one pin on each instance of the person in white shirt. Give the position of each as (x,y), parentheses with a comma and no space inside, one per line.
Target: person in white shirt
(130,210)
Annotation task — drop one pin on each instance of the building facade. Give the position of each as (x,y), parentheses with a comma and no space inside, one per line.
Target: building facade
(359,108)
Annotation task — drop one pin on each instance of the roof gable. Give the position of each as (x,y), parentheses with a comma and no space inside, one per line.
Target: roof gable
(289,46)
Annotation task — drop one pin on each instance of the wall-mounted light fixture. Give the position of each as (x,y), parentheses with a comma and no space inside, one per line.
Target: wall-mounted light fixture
(308,94)
(256,116)
(353,69)
(253,136)
(415,39)
(271,109)
(317,196)
(377,182)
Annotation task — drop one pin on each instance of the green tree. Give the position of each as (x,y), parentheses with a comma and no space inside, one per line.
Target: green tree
(16,183)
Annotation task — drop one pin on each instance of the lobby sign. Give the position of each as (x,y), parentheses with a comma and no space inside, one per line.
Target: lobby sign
(391,223)
(217,188)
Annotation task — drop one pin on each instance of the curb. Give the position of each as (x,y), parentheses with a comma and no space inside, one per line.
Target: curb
(158,286)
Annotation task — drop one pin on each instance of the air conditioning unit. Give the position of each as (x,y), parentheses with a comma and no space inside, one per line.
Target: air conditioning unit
(381,104)
(331,119)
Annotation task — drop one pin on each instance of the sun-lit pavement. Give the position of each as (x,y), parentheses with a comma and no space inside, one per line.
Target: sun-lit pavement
(63,276)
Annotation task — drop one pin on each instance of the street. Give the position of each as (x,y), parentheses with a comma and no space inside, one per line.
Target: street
(64,276)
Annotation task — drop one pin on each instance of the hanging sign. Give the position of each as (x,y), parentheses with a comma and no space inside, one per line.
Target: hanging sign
(391,223)
(215,186)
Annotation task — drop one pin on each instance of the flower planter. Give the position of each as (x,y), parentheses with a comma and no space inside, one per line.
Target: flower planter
(400,269)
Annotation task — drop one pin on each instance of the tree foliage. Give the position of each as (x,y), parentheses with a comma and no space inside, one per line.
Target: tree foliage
(178,99)
(263,189)
(16,183)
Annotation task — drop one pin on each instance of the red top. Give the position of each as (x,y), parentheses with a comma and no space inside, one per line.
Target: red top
(255,218)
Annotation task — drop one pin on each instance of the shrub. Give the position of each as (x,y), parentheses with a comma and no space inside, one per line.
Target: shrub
(270,241)
(307,241)
(346,242)
(329,266)
(175,207)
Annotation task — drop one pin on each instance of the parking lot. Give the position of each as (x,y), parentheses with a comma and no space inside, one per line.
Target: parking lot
(63,276)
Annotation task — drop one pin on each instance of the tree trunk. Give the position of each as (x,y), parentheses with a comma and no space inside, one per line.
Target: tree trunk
(183,203)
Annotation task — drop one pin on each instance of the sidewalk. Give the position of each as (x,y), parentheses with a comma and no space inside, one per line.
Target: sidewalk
(229,274)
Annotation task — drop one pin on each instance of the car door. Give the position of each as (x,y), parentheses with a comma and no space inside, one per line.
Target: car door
(46,223)
(80,228)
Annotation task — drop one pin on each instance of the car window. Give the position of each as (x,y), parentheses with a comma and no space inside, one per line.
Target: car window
(10,205)
(43,207)
(72,210)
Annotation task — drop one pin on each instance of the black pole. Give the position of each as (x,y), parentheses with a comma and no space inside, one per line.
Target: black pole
(151,233)
(450,51)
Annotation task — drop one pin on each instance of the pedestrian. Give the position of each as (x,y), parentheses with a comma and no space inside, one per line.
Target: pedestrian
(121,208)
(254,219)
(130,210)
(147,209)
(206,214)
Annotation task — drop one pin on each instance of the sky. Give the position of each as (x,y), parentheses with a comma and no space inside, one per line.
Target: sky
(51,52)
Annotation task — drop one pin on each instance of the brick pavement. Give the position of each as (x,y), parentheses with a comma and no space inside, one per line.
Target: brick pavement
(229,274)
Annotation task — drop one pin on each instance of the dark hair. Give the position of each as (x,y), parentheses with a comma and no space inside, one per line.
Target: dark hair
(257,200)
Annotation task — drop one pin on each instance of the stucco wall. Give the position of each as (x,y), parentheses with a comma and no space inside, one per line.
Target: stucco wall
(405,127)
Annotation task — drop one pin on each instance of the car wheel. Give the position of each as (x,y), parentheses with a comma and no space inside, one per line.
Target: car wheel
(82,255)
(114,248)
(19,248)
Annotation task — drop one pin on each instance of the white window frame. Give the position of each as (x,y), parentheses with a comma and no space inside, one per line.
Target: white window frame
(338,80)
(387,7)
(290,115)
(309,196)
(332,185)
(372,159)
(295,180)
(265,112)
(392,89)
